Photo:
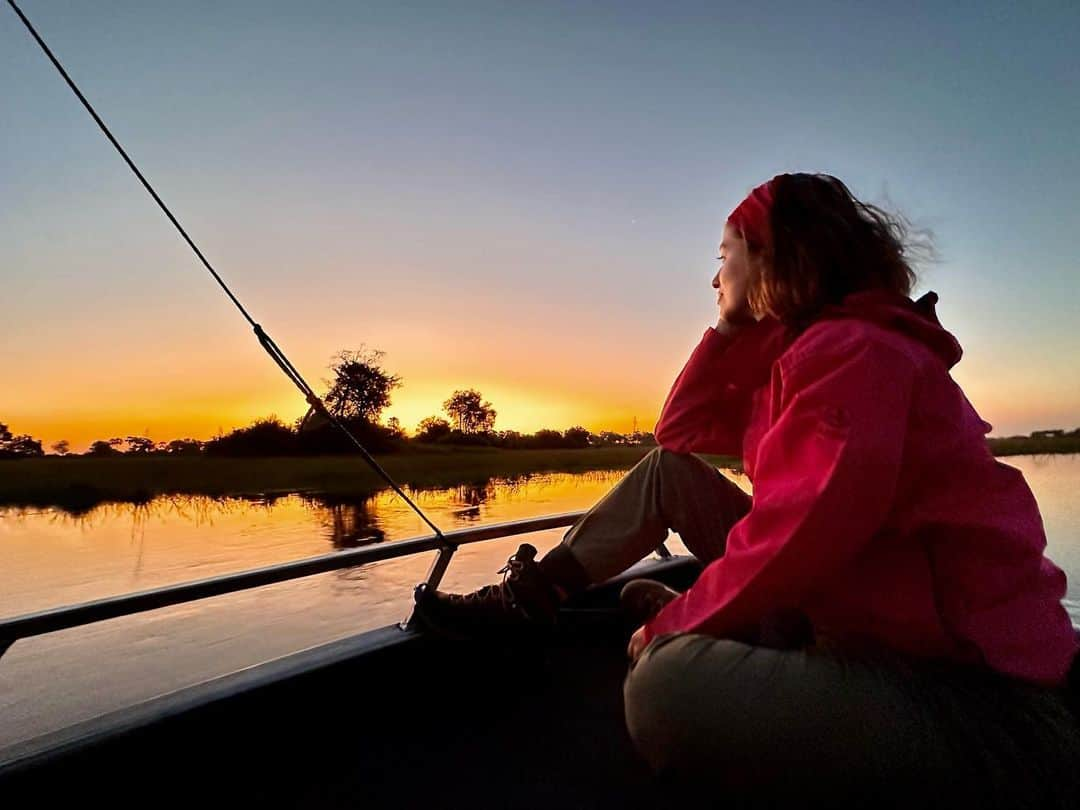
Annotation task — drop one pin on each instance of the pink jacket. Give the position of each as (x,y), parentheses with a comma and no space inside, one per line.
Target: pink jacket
(878,508)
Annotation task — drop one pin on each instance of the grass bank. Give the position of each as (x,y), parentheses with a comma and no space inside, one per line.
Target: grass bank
(1027,446)
(80,482)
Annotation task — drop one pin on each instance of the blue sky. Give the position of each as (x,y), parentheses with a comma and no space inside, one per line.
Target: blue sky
(520,197)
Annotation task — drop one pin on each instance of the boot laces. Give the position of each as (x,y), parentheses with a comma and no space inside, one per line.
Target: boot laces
(512,570)
(502,591)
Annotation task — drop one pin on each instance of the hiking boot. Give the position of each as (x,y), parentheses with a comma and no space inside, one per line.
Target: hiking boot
(524,599)
(641,599)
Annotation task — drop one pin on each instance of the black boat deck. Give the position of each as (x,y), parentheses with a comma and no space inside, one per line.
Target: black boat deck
(410,721)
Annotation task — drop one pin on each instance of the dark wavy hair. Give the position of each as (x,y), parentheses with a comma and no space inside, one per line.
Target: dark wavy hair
(828,244)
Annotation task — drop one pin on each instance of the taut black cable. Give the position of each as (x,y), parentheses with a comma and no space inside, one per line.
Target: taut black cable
(264,339)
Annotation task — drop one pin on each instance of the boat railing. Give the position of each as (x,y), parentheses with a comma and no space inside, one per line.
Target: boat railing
(67,617)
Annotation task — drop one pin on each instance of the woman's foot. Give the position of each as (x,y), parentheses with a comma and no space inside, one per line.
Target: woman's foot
(524,598)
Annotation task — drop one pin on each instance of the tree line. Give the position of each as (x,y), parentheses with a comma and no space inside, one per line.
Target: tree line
(357,393)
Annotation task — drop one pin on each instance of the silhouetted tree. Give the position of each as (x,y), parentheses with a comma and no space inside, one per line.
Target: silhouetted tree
(62,447)
(610,437)
(21,446)
(140,446)
(18,446)
(470,413)
(103,448)
(360,388)
(184,447)
(432,428)
(393,426)
(576,437)
(265,437)
(510,439)
(547,438)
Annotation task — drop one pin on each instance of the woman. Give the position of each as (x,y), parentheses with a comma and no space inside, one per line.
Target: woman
(879,623)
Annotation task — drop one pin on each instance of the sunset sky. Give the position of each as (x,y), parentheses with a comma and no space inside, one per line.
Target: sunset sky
(524,198)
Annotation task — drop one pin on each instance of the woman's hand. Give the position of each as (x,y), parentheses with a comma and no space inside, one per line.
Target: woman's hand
(725,327)
(637,644)
(731,325)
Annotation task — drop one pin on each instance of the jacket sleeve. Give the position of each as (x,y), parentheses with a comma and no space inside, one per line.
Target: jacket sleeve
(825,481)
(708,407)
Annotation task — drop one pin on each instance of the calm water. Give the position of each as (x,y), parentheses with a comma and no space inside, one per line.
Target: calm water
(50,558)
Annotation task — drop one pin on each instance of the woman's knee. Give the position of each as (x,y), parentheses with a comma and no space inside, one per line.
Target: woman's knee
(663,456)
(667,458)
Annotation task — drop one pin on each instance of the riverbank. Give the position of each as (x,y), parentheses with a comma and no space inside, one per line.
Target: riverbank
(1028,446)
(81,482)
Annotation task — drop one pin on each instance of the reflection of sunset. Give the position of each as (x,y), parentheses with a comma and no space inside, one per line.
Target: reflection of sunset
(52,558)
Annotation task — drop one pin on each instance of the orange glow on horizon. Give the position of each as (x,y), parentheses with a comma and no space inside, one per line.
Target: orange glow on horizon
(541,377)
(522,410)
(524,405)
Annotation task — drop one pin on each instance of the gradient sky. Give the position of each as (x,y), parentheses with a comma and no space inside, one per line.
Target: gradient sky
(522,197)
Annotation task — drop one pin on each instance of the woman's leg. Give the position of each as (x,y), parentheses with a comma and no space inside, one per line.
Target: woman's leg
(665,490)
(757,726)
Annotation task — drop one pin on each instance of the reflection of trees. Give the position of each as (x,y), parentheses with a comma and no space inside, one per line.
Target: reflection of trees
(199,510)
(518,487)
(472,494)
(465,500)
(348,523)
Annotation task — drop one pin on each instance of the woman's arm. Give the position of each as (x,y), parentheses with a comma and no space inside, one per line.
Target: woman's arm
(707,409)
(826,478)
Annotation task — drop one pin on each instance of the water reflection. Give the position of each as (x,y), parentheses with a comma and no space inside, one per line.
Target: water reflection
(54,556)
(348,522)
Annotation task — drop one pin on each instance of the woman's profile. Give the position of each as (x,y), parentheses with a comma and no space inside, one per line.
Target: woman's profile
(879,621)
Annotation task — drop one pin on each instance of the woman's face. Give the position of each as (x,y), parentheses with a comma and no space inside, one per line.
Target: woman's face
(733,277)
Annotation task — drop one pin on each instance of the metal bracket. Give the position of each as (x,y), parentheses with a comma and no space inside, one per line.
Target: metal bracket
(432,580)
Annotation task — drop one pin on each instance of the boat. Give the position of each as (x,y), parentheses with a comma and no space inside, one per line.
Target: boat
(391,717)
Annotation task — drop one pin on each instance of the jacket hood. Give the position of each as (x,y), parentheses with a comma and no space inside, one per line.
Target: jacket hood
(916,319)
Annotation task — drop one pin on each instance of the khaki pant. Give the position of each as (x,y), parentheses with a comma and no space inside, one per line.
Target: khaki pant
(739,723)
(663,491)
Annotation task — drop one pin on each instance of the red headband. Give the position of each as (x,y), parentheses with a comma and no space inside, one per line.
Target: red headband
(751,216)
